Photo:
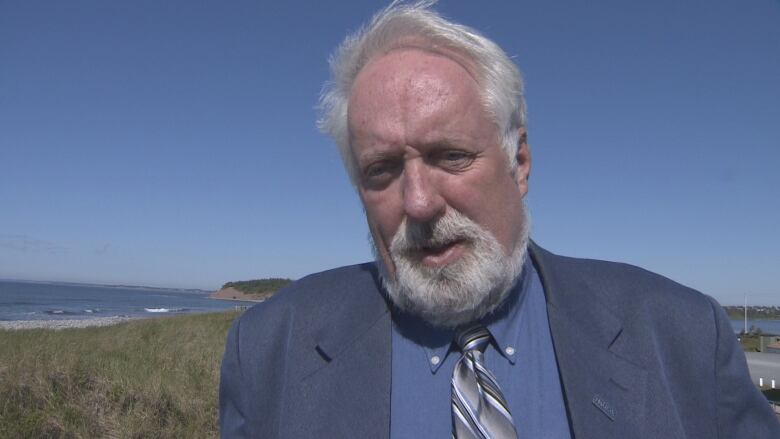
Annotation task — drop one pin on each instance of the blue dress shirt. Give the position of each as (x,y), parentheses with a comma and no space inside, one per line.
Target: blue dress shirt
(521,356)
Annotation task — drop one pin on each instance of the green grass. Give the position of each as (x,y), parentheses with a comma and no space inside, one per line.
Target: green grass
(750,343)
(153,378)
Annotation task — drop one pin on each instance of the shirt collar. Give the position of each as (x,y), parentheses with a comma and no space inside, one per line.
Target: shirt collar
(435,342)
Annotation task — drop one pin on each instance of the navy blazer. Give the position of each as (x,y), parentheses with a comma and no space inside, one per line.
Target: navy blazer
(639,355)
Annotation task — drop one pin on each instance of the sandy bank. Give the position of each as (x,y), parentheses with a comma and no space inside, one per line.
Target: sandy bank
(63,324)
(234,294)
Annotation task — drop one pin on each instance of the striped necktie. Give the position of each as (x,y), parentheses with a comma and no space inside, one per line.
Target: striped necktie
(479,409)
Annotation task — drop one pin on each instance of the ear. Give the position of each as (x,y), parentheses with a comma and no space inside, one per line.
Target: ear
(523,157)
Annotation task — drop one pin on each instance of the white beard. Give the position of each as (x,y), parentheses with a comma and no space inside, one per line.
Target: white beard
(463,291)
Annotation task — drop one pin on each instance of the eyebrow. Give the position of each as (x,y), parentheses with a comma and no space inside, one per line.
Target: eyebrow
(372,157)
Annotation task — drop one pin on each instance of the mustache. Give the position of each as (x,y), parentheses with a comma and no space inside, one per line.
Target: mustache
(447,229)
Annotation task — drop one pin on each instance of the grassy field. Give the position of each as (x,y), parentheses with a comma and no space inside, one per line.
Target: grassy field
(153,378)
(750,343)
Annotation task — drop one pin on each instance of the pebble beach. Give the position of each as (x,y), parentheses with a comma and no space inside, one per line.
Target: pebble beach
(63,324)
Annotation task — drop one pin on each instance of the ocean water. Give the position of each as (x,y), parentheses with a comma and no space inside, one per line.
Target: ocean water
(53,301)
(767,326)
(50,301)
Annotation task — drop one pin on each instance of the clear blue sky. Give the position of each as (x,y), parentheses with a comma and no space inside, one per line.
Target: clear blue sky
(173,143)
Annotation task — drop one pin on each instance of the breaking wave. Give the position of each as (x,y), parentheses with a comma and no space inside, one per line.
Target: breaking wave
(164,310)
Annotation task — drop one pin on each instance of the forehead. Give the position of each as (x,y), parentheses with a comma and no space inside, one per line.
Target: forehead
(412,70)
(411,59)
(410,86)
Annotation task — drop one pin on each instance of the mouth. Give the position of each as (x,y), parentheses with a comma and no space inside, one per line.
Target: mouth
(439,255)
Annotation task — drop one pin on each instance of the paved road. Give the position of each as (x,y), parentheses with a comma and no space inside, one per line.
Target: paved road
(766,366)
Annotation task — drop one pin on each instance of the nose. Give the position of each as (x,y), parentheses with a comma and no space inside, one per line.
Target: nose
(422,200)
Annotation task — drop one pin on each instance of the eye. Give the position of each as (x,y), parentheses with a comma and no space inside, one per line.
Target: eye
(377,168)
(454,159)
(380,172)
(454,156)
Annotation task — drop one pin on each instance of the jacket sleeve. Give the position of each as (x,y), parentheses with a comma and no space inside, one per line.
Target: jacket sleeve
(743,412)
(232,404)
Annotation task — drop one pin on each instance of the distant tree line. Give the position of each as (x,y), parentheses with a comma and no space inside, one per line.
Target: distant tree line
(753,312)
(266,286)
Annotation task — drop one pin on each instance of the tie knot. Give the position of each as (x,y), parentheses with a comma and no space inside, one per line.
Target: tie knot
(473,337)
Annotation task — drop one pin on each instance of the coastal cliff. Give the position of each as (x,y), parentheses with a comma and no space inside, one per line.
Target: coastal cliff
(255,290)
(231,293)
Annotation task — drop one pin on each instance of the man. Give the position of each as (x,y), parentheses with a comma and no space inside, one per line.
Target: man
(463,327)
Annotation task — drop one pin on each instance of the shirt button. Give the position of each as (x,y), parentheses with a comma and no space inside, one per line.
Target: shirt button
(435,360)
(510,350)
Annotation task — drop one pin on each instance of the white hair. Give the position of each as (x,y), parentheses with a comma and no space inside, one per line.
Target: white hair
(395,27)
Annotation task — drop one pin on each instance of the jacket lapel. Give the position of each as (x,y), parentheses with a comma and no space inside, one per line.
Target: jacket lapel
(604,392)
(342,387)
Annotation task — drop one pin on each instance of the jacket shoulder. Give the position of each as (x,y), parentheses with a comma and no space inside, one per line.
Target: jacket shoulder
(314,293)
(680,338)
(624,288)
(277,337)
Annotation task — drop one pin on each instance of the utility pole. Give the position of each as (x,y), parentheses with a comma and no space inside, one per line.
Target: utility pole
(745,314)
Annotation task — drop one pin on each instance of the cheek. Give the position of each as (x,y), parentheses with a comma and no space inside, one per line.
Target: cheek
(382,224)
(383,216)
(475,197)
(508,217)
(493,202)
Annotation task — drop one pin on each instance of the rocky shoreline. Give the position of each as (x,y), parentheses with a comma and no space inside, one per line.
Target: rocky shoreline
(63,324)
